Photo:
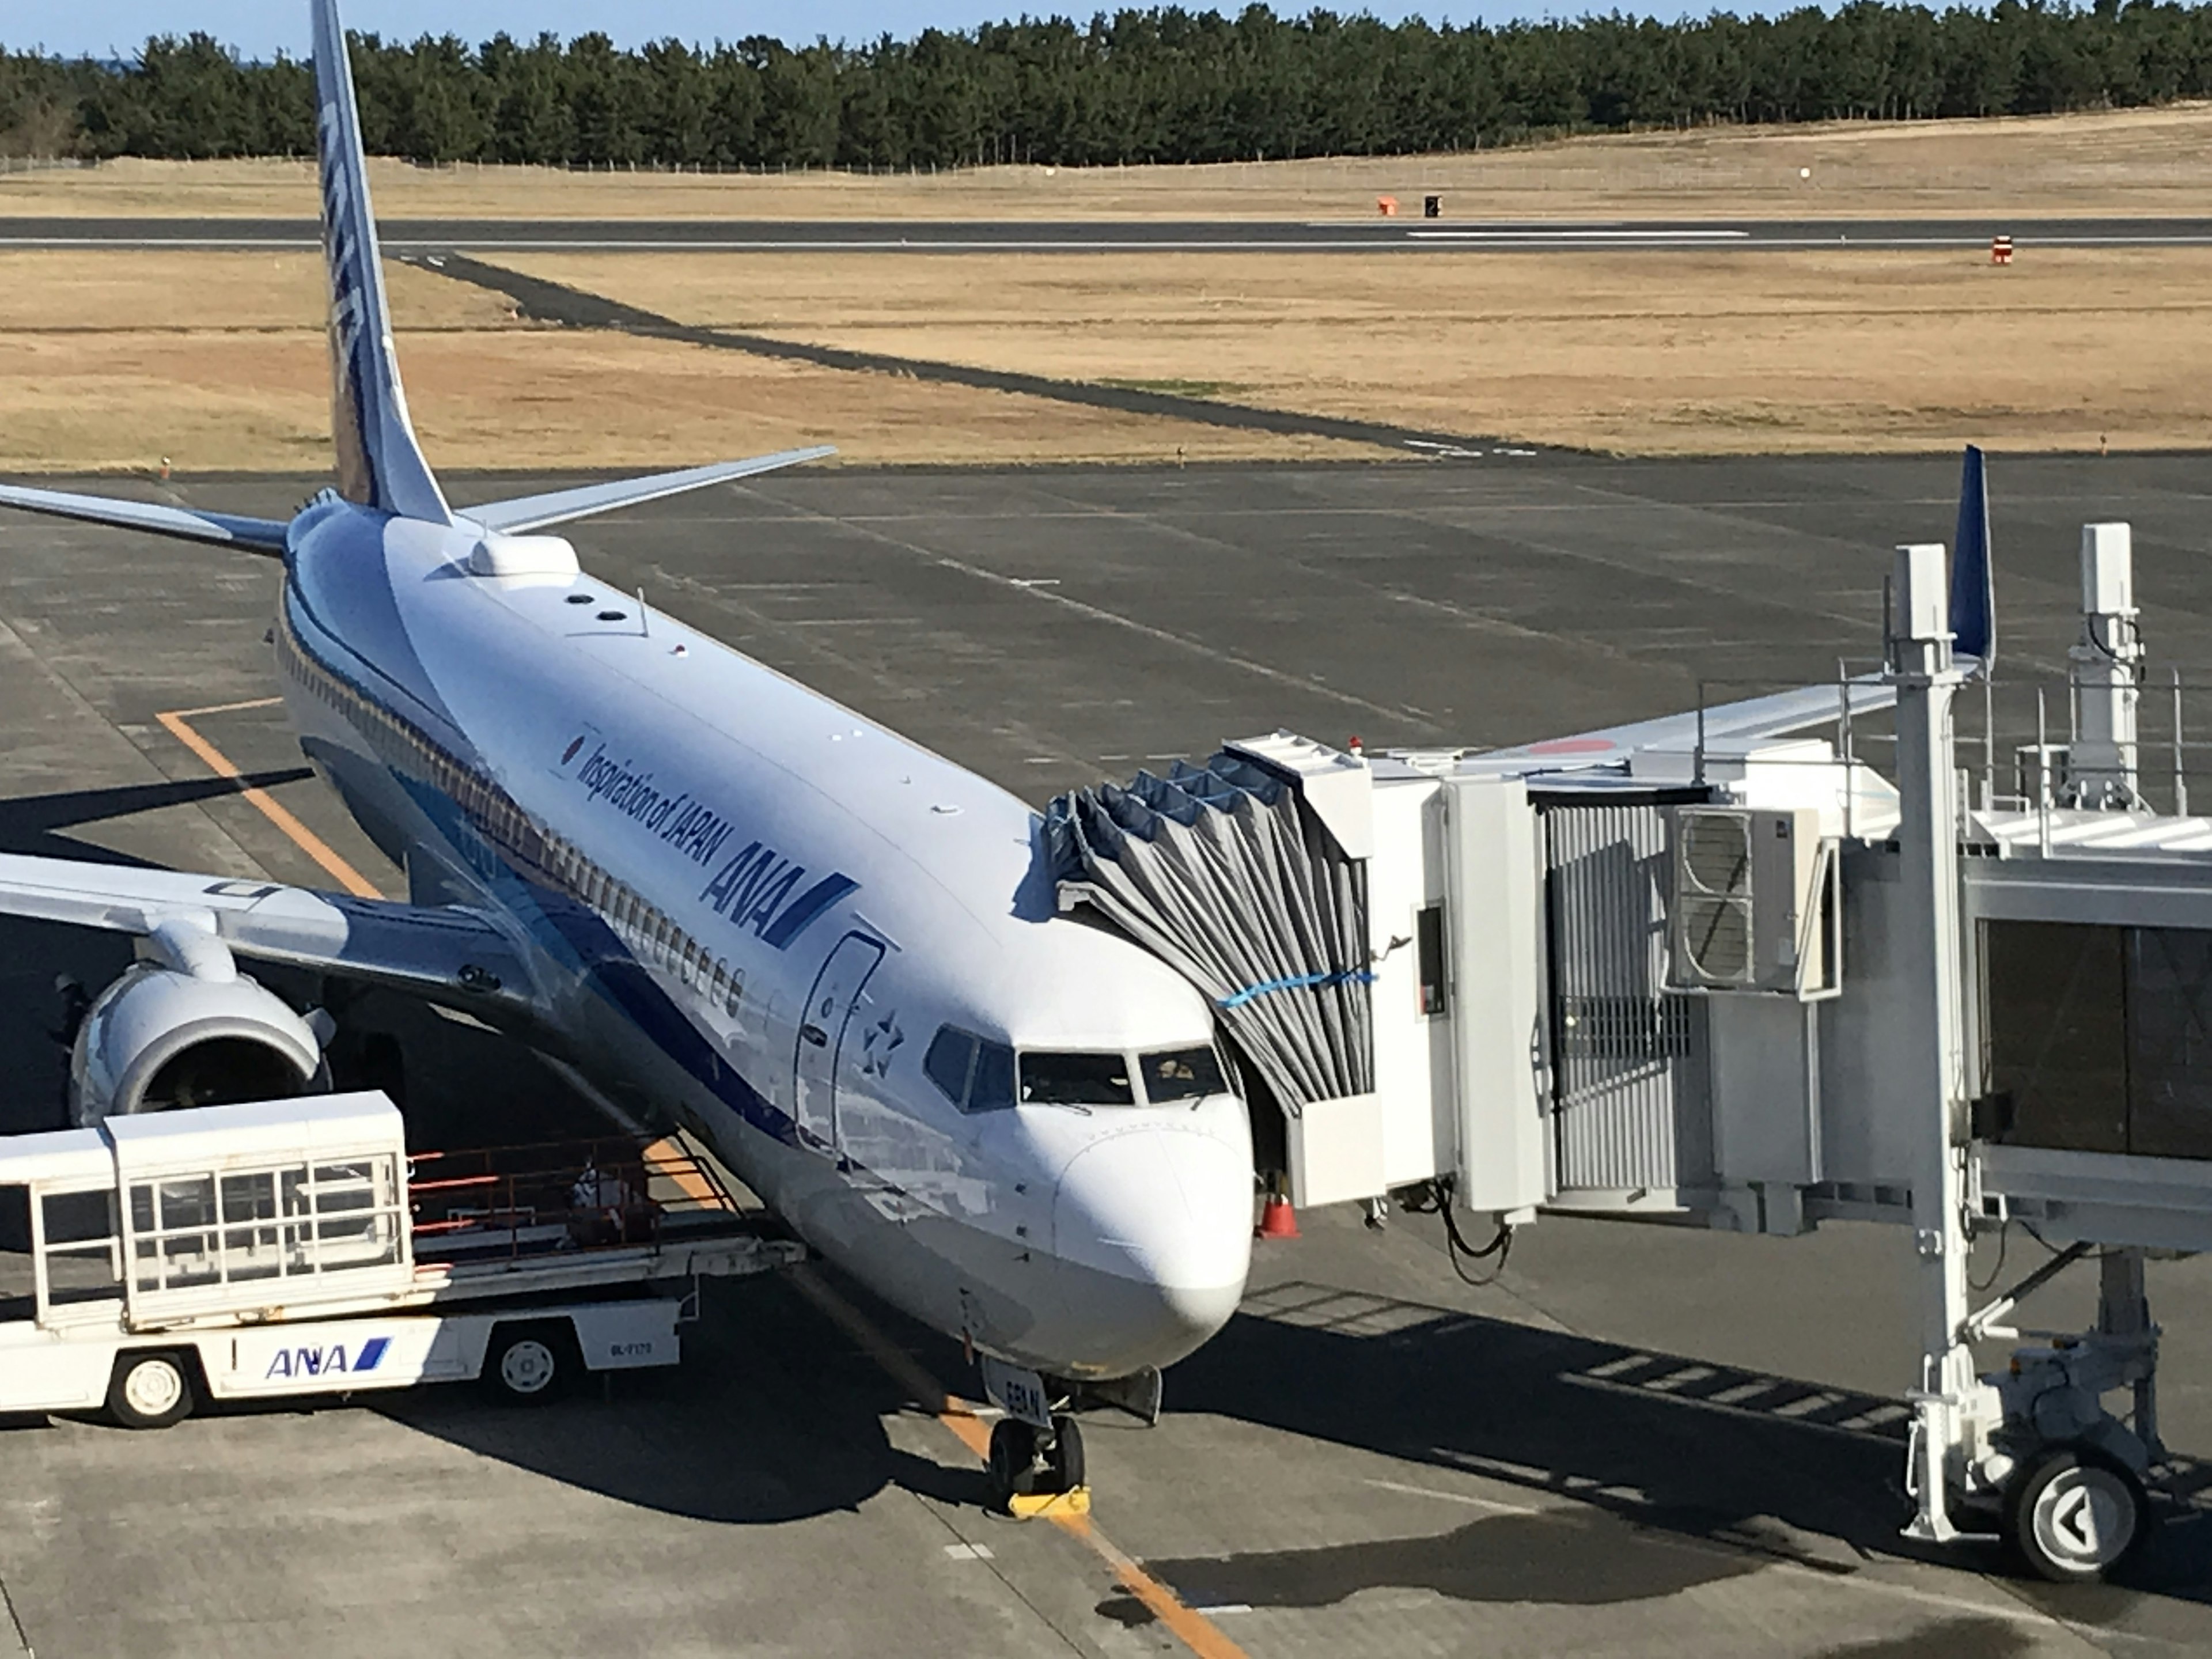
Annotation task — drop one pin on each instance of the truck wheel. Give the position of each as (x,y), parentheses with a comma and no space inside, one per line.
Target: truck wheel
(2075,1514)
(149,1390)
(529,1365)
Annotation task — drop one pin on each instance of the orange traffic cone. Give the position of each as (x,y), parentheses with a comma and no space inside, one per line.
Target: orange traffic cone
(1276,1218)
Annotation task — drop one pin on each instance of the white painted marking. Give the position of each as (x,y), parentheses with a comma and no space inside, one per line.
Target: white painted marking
(1652,234)
(1467,1499)
(967,1552)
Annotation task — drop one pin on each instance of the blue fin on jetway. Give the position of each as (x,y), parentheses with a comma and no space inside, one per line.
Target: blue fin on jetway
(379,461)
(1973,583)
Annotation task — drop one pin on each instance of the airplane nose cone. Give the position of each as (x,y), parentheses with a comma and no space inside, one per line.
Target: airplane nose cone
(1153,1231)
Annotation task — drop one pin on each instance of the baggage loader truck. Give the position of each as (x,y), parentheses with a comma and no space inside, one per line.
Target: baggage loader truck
(291,1247)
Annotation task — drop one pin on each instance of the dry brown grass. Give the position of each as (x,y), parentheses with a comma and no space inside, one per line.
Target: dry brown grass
(2117,162)
(116,361)
(215,360)
(1655,352)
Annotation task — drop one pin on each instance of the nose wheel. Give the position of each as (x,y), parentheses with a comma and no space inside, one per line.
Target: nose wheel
(1032,1470)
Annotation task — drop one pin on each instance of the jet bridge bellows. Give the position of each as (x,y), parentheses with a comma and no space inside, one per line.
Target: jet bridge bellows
(1238,879)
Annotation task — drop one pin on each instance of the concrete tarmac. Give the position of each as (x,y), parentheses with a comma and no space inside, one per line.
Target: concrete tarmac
(1095,235)
(1375,1455)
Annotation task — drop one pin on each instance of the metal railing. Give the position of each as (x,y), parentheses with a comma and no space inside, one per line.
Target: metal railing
(527,1200)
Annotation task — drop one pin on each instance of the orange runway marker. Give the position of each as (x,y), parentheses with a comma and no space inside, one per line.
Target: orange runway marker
(176,720)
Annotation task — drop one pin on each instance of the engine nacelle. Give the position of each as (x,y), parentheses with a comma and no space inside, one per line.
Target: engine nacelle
(163,1036)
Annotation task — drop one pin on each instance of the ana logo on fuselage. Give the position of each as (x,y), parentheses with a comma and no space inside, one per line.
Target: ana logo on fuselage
(759,890)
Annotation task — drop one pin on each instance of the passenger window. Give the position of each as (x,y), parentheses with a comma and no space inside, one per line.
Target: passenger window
(951,1057)
(1050,1080)
(1182,1074)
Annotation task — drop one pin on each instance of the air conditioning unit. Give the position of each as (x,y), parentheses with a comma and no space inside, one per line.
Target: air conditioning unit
(1754,905)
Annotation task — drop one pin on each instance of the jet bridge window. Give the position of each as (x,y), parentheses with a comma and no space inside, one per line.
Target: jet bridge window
(1182,1074)
(1050,1079)
(2100,1036)
(974,1073)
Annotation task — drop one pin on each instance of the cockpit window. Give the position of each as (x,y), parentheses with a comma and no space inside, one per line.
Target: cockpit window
(974,1074)
(1181,1074)
(1076,1080)
(951,1056)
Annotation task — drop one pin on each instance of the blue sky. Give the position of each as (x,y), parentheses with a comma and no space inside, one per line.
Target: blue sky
(260,28)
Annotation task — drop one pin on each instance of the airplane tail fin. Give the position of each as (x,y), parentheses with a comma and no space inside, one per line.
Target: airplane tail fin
(1973,582)
(380,465)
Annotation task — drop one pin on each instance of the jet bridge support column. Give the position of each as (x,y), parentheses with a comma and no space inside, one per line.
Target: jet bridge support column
(1929,1047)
(2106,667)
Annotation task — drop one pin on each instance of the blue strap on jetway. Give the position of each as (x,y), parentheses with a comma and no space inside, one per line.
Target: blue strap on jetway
(1225,873)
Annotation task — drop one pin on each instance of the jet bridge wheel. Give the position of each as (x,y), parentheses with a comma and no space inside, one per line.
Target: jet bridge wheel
(2075,1514)
(151,1388)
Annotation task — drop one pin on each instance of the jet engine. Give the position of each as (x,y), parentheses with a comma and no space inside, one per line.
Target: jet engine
(183,1027)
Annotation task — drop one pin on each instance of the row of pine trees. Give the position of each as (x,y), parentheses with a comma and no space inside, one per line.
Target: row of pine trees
(1161,85)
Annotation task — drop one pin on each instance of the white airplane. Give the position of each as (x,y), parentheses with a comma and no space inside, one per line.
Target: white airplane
(831,952)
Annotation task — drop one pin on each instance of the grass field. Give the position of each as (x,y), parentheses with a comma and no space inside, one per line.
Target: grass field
(118,358)
(214,361)
(1641,352)
(2123,163)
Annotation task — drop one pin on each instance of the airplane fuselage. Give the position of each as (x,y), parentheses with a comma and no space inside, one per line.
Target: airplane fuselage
(759,912)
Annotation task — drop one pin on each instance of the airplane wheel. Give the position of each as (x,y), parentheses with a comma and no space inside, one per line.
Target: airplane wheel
(2074,1514)
(150,1391)
(1064,1462)
(1013,1458)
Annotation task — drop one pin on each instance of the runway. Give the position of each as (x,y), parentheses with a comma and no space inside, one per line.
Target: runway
(1441,235)
(1375,1457)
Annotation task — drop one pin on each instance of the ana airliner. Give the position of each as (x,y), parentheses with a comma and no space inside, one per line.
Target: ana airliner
(831,952)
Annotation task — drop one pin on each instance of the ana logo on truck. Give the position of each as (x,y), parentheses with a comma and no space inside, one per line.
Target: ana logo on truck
(327,1361)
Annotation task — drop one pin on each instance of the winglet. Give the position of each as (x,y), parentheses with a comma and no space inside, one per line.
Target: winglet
(379,463)
(1973,582)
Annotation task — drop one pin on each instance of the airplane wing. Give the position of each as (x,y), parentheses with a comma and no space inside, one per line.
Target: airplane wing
(537,512)
(447,954)
(226,529)
(1770,716)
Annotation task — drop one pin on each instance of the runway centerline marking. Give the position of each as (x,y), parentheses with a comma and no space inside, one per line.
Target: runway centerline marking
(1190,1626)
(176,722)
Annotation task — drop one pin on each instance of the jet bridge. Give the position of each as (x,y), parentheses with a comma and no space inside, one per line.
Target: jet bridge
(1719,971)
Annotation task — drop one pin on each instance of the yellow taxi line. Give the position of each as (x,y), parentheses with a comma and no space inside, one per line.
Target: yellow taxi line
(178,725)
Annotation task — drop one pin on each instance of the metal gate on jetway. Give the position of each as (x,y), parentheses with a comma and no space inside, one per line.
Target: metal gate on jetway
(1630,1080)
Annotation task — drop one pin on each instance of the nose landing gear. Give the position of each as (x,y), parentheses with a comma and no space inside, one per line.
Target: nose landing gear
(1036,1464)
(1036,1472)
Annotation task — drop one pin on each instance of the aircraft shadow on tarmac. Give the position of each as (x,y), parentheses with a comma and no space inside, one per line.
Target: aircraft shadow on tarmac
(28,823)
(773,1417)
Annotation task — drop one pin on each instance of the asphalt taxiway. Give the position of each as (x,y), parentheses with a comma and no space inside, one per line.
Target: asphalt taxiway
(1413,235)
(1630,1441)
